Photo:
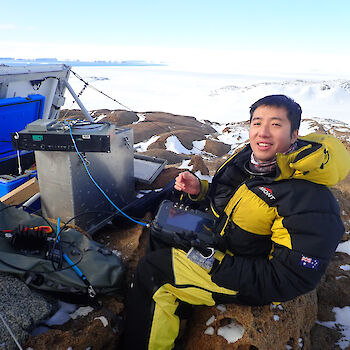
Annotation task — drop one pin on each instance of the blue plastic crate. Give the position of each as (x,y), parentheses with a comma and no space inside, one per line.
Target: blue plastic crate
(9,182)
(15,114)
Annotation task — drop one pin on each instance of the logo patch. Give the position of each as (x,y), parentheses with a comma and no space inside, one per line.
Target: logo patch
(311,263)
(267,192)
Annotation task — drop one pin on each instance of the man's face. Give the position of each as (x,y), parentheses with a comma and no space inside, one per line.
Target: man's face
(270,132)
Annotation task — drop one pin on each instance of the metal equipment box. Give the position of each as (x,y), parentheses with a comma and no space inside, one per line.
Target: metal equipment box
(68,192)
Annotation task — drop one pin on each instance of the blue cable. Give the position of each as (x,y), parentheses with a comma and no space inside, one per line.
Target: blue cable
(73,265)
(93,180)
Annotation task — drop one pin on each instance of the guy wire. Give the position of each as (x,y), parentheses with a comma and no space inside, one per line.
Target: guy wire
(121,104)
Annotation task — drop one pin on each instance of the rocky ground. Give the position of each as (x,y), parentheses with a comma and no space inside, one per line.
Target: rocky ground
(292,325)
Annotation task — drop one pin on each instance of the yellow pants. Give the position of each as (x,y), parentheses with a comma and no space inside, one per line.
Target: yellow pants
(163,279)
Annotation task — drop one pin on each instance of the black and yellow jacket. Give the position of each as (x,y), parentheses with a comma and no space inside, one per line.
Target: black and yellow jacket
(282,230)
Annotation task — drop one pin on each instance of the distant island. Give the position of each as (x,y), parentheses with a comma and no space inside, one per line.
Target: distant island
(21,61)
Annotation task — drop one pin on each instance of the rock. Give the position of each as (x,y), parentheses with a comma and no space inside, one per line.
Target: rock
(270,327)
(71,113)
(171,157)
(121,118)
(186,137)
(198,165)
(128,239)
(216,147)
(95,332)
(179,121)
(333,289)
(323,338)
(22,308)
(187,129)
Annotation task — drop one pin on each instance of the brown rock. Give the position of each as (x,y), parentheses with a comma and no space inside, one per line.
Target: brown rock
(89,334)
(121,118)
(171,157)
(186,137)
(216,147)
(157,123)
(323,338)
(261,330)
(198,164)
(71,113)
(334,286)
(179,121)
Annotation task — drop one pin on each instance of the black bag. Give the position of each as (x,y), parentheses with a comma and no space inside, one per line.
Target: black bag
(88,268)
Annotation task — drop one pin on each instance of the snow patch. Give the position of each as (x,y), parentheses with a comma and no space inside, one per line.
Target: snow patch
(344,247)
(340,277)
(211,320)
(103,320)
(173,144)
(231,332)
(341,323)
(209,331)
(143,146)
(307,127)
(82,311)
(185,164)
(141,117)
(345,267)
(221,308)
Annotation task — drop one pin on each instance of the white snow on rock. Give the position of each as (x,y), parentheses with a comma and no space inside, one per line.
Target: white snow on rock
(100,117)
(203,177)
(344,247)
(234,134)
(221,308)
(276,318)
(345,267)
(211,320)
(82,311)
(199,145)
(173,144)
(307,127)
(209,331)
(143,146)
(341,323)
(231,332)
(141,116)
(103,320)
(185,164)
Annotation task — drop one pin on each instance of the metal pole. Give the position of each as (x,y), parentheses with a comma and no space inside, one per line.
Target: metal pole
(76,98)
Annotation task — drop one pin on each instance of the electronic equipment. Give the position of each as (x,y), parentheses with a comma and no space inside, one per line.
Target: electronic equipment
(66,189)
(48,135)
(176,219)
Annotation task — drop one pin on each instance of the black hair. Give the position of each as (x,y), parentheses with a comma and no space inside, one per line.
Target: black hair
(293,108)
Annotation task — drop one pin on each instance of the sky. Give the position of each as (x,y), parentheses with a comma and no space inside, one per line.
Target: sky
(271,34)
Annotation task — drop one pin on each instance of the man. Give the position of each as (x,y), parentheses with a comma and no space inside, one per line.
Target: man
(279,222)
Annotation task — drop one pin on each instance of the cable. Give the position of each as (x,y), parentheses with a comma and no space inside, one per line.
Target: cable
(96,184)
(101,92)
(11,333)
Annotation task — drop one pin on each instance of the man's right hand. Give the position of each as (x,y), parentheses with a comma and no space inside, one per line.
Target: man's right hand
(187,182)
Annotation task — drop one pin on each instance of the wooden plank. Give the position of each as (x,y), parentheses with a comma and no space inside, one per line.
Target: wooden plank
(21,193)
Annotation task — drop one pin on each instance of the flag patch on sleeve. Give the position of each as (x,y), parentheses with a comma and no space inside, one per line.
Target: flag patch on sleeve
(311,263)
